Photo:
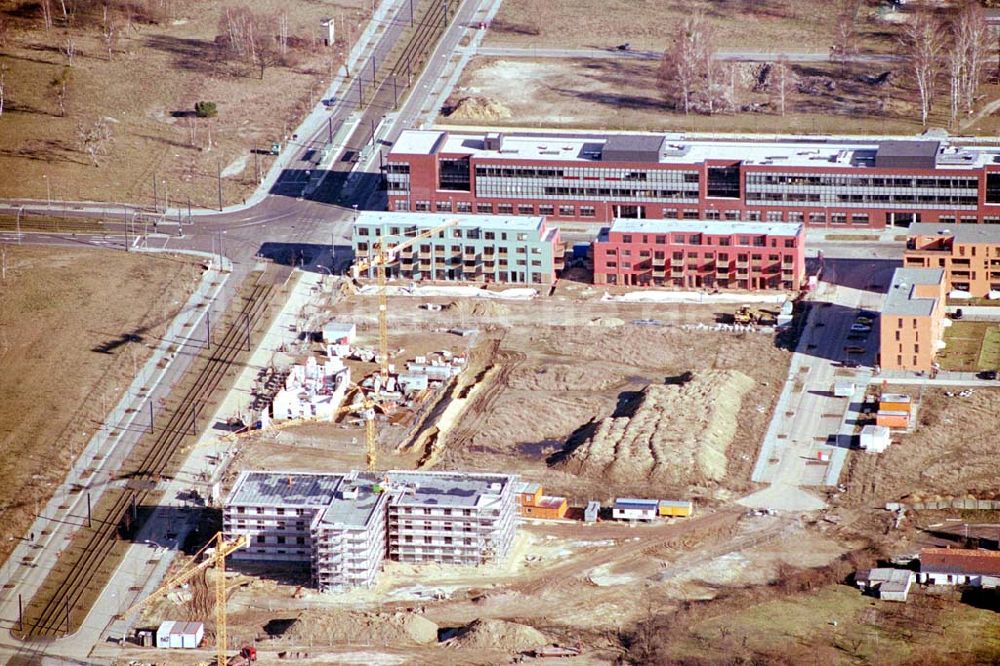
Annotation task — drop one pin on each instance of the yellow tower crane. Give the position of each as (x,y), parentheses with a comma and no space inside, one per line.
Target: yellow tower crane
(367,411)
(218,558)
(379,257)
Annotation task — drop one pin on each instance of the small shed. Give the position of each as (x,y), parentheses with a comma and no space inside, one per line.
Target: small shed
(888,584)
(591,513)
(184,635)
(627,508)
(874,438)
(843,389)
(676,508)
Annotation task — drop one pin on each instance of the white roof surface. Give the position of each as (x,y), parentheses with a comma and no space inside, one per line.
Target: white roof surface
(717,227)
(587,148)
(431,220)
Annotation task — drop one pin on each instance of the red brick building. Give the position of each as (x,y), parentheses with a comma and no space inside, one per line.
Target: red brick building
(598,177)
(701,255)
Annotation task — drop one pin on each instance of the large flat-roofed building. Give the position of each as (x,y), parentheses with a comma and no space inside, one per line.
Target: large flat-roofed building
(700,254)
(912,323)
(343,526)
(451,517)
(599,176)
(479,248)
(968,254)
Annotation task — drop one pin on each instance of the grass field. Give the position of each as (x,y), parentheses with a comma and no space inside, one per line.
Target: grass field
(56,307)
(837,624)
(751,24)
(971,345)
(148,90)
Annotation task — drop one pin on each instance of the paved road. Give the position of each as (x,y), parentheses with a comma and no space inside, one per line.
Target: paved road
(634,54)
(808,417)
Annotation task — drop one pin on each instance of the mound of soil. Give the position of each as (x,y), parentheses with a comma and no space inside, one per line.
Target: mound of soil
(479,108)
(332,627)
(485,634)
(677,434)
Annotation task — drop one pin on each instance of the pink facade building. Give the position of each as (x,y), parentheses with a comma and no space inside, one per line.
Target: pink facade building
(599,177)
(696,254)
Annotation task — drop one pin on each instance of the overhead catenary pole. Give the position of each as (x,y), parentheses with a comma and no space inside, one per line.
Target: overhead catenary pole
(219,162)
(89,522)
(151,422)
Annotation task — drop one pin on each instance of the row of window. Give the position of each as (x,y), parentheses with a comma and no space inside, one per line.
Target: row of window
(705,256)
(836,180)
(702,239)
(936,200)
(583,173)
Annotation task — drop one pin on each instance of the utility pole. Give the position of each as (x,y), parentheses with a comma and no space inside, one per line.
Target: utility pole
(219,163)
(151,422)
(208,329)
(411,13)
(89,523)
(156,197)
(329,123)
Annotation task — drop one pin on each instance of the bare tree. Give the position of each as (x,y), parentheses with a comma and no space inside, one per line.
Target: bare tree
(60,83)
(971,40)
(956,74)
(845,37)
(95,139)
(69,50)
(783,81)
(685,71)
(109,32)
(47,13)
(923,38)
(283,34)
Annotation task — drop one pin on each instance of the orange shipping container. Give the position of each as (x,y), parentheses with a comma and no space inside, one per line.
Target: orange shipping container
(547,507)
(892,419)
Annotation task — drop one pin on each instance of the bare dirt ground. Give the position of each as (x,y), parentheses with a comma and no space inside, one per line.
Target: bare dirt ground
(750,24)
(951,453)
(66,354)
(147,90)
(623,94)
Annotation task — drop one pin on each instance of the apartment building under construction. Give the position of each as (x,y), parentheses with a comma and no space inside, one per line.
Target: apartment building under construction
(343,526)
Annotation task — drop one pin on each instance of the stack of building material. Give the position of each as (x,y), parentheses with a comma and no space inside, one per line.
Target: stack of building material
(894,410)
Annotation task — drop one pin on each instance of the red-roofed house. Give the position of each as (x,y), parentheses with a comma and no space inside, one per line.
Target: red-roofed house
(959,566)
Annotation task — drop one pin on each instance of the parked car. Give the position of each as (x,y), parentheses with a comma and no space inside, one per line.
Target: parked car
(862,319)
(987,374)
(957,314)
(854,349)
(857,337)
(860,328)
(850,364)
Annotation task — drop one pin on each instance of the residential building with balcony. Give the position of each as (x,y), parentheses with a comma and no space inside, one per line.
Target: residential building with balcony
(968,254)
(911,327)
(342,527)
(480,248)
(452,518)
(597,177)
(698,254)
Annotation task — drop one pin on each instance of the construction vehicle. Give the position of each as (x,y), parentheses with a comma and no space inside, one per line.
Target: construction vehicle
(379,257)
(747,315)
(217,558)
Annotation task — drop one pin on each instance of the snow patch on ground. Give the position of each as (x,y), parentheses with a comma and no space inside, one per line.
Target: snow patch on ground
(235,167)
(692,297)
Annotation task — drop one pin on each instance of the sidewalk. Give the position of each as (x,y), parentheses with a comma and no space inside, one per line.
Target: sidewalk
(26,568)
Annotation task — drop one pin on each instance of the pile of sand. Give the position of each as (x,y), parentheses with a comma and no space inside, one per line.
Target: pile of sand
(332,627)
(677,433)
(499,635)
(479,108)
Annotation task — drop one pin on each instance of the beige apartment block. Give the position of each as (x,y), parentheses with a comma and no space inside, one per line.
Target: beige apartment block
(912,321)
(968,254)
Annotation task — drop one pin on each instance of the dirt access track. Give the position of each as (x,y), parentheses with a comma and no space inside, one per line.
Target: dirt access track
(69,344)
(163,60)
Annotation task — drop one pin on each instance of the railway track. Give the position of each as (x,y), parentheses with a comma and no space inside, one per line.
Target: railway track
(64,599)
